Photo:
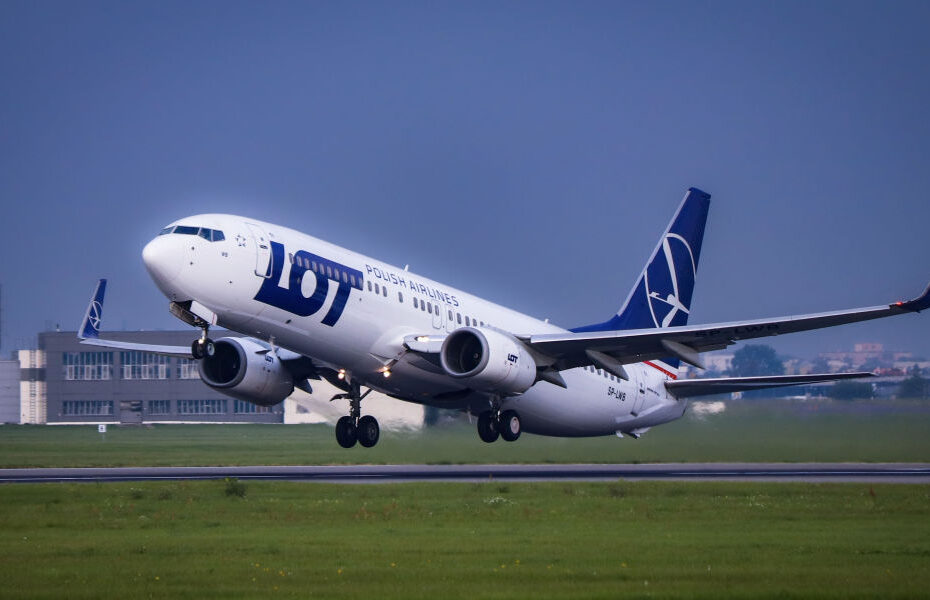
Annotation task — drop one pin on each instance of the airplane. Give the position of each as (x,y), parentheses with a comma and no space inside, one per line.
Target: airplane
(311,311)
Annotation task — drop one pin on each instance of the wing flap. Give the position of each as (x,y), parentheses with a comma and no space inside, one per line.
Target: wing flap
(690,388)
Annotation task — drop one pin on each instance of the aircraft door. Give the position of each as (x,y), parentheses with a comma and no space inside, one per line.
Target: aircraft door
(262,249)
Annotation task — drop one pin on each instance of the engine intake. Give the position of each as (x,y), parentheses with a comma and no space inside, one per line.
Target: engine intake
(488,360)
(246,370)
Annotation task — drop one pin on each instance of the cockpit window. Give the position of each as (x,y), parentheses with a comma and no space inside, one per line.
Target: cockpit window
(211,235)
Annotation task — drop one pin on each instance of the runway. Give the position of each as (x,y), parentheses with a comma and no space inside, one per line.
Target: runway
(807,472)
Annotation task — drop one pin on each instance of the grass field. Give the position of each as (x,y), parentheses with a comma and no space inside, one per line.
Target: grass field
(779,431)
(489,540)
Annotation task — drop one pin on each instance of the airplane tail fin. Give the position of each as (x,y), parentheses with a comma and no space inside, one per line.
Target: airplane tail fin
(90,327)
(661,296)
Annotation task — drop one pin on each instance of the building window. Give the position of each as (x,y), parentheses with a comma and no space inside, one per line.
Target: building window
(86,408)
(88,366)
(159,407)
(187,369)
(143,365)
(247,408)
(202,407)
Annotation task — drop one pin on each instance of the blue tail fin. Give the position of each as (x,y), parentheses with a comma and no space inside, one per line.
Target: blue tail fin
(662,294)
(90,327)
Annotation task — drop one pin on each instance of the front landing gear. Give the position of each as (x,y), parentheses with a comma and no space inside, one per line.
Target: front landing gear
(353,428)
(202,348)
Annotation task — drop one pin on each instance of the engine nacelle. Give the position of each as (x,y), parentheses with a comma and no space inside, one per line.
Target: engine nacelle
(243,369)
(488,360)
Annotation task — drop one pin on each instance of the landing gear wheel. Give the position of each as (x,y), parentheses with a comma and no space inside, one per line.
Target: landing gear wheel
(509,425)
(346,432)
(368,431)
(203,348)
(487,430)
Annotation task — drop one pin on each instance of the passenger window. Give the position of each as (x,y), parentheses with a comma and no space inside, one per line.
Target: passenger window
(369,286)
(458,318)
(450,315)
(313,268)
(329,273)
(218,235)
(345,278)
(415,303)
(467,321)
(384,291)
(400,297)
(377,289)
(482,323)
(422,305)
(352,280)
(290,257)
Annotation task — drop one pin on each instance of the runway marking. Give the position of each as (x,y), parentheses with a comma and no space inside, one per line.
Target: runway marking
(859,472)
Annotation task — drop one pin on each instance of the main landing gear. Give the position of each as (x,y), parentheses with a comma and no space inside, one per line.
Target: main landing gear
(492,425)
(203,347)
(353,428)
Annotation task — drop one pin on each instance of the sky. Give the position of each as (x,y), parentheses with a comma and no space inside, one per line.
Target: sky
(527,152)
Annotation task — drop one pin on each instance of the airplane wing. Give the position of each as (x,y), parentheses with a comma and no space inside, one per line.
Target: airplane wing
(89,333)
(690,388)
(609,349)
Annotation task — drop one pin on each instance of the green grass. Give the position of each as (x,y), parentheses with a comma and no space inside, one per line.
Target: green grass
(488,540)
(780,431)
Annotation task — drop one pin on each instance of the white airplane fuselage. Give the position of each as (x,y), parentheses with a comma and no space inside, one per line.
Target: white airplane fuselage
(351,312)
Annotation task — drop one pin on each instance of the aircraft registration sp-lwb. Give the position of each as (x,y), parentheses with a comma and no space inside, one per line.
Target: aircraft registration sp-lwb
(312,310)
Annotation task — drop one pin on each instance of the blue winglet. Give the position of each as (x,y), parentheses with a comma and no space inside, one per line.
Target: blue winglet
(90,328)
(918,304)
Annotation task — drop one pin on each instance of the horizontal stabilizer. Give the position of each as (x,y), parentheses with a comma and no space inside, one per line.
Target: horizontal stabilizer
(689,388)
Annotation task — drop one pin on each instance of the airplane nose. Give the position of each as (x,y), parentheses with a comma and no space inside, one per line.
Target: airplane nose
(163,258)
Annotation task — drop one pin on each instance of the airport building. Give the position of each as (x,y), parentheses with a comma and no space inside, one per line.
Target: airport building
(65,381)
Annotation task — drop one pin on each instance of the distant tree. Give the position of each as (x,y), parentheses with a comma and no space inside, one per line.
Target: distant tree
(915,386)
(431,416)
(850,390)
(756,359)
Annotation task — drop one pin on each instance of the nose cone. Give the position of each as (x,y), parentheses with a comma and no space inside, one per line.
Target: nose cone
(163,258)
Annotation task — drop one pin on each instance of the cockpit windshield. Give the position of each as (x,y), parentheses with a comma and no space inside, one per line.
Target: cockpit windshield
(211,235)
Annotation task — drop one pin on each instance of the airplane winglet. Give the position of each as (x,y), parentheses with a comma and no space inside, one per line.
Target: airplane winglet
(918,304)
(90,327)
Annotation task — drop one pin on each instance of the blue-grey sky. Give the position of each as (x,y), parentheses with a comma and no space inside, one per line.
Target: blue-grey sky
(528,152)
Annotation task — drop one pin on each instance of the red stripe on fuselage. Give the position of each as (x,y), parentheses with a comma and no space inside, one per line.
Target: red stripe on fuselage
(655,366)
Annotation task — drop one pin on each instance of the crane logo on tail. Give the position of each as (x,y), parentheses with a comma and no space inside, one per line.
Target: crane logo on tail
(669,282)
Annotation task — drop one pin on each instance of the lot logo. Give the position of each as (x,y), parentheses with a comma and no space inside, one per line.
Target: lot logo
(669,282)
(289,295)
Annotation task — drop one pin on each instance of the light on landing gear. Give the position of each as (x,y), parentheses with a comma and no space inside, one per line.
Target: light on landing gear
(342,374)
(386,373)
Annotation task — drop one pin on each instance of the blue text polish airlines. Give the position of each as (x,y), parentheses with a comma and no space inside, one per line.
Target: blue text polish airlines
(312,310)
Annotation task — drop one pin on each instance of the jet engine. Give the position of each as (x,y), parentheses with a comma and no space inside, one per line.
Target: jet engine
(488,360)
(246,370)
